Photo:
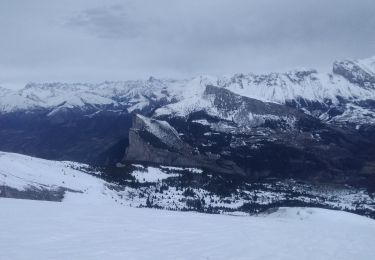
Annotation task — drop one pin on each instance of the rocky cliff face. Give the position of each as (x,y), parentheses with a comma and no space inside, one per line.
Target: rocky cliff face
(156,141)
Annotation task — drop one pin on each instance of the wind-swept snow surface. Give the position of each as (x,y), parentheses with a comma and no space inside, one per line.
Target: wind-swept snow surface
(67,230)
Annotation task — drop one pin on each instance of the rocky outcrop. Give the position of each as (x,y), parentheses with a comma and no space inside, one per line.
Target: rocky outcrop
(32,193)
(156,141)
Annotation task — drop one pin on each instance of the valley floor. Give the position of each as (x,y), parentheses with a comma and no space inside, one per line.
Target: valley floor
(76,230)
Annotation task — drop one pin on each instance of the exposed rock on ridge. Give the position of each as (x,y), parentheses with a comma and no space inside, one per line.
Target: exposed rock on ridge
(155,141)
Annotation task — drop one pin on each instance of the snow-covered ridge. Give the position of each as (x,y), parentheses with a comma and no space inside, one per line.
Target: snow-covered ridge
(24,173)
(367,64)
(130,94)
(136,95)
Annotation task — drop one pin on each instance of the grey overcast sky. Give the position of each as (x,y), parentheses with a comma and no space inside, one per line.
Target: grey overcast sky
(93,41)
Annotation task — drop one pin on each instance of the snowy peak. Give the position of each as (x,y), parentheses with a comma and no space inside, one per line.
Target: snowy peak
(367,64)
(284,87)
(360,72)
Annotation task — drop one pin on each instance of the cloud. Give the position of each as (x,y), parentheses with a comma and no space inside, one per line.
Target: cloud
(89,40)
(105,22)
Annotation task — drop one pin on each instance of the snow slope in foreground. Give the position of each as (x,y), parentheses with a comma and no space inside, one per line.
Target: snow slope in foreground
(53,230)
(24,174)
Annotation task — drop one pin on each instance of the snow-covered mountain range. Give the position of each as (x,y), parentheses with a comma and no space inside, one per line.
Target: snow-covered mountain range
(348,86)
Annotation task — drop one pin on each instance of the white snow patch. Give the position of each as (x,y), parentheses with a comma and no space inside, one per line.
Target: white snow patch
(172,168)
(152,174)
